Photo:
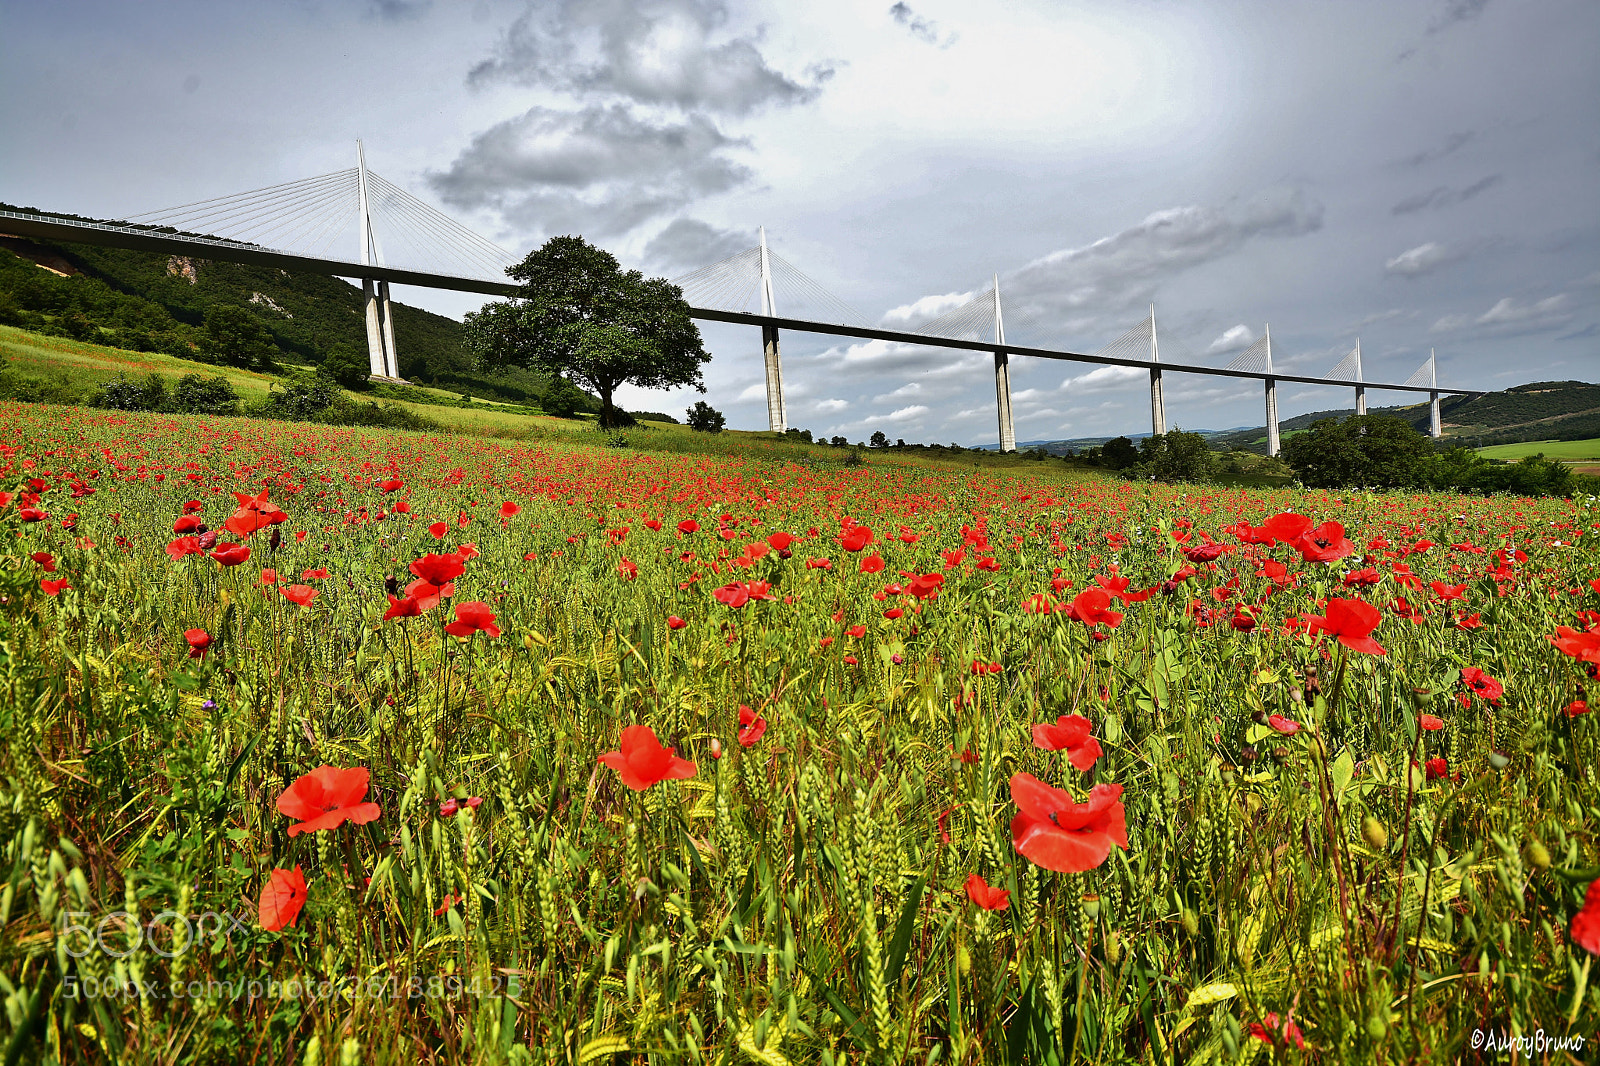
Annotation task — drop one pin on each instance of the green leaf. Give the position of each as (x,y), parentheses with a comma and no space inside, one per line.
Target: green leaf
(901,944)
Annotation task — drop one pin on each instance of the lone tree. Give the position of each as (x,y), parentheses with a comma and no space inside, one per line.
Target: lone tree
(1372,450)
(578,314)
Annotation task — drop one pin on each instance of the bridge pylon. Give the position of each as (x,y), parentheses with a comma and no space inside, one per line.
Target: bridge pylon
(383,361)
(1158,405)
(777,417)
(1274,441)
(1002,378)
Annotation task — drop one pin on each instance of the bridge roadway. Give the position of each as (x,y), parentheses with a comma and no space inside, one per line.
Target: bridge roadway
(49,227)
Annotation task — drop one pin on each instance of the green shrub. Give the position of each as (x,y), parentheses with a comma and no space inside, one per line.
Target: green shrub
(120,394)
(194,394)
(703,418)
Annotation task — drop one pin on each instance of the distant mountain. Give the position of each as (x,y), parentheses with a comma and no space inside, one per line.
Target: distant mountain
(147,301)
(1540,410)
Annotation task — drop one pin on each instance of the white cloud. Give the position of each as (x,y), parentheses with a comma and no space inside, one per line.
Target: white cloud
(1509,316)
(830,406)
(1103,378)
(904,414)
(1423,259)
(911,388)
(1233,339)
(923,310)
(758,391)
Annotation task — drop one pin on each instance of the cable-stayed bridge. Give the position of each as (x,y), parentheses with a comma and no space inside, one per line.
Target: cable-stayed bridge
(303,225)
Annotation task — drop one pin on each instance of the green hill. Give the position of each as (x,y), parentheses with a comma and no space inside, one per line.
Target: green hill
(145,301)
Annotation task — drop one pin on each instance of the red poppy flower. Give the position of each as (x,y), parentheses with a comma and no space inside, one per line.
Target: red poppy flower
(1576,708)
(445,904)
(642,761)
(389,485)
(299,594)
(188,524)
(54,588)
(1203,553)
(1053,831)
(439,529)
(428,596)
(319,574)
(871,564)
(408,607)
(751,726)
(1352,622)
(281,899)
(856,539)
(952,559)
(780,541)
(688,525)
(1091,607)
(856,631)
(1584,647)
(1481,683)
(1438,768)
(32,514)
(230,554)
(1287,726)
(674,622)
(628,569)
(1432,723)
(1470,621)
(1366,576)
(472,617)
(191,506)
(326,798)
(990,899)
(1586,923)
(1325,544)
(1268,1031)
(924,586)
(438,569)
(819,564)
(739,593)
(509,510)
(269,577)
(1447,592)
(1285,528)
(1069,733)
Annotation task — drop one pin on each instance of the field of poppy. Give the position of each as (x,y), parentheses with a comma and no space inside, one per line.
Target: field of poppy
(325,745)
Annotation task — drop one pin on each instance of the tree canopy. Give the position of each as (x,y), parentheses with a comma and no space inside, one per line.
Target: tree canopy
(1371,450)
(578,314)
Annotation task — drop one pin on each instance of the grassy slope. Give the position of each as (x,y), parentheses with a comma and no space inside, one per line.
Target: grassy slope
(90,364)
(1566,450)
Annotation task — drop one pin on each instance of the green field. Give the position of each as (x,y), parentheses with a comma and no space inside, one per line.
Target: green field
(1569,451)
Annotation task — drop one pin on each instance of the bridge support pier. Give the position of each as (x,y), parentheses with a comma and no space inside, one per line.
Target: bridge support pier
(1361,400)
(1435,422)
(1002,397)
(1158,405)
(777,417)
(381,359)
(1273,440)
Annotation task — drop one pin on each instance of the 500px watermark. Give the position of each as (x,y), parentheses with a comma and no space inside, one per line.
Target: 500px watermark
(167,933)
(1536,1043)
(436,986)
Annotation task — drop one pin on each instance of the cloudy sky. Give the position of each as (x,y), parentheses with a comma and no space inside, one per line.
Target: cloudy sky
(1418,173)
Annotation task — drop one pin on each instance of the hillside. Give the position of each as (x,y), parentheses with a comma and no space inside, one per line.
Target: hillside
(145,301)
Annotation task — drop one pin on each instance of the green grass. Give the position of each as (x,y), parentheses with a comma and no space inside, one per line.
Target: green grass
(1570,451)
(800,898)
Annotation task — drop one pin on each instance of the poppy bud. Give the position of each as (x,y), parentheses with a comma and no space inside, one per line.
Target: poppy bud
(1191,922)
(1536,854)
(1257,714)
(1498,761)
(716,748)
(1280,753)
(273,539)
(390,585)
(1248,755)
(1113,949)
(208,540)
(1373,832)
(1295,695)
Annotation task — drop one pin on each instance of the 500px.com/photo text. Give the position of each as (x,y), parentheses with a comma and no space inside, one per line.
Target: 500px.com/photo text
(168,933)
(438,986)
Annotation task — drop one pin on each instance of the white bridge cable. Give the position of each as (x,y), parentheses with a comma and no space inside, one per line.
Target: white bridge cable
(219,212)
(1423,374)
(291,217)
(1253,358)
(425,241)
(973,320)
(1133,344)
(447,234)
(797,288)
(1345,369)
(726,285)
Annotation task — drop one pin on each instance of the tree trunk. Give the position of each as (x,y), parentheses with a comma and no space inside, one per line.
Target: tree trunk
(605,407)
